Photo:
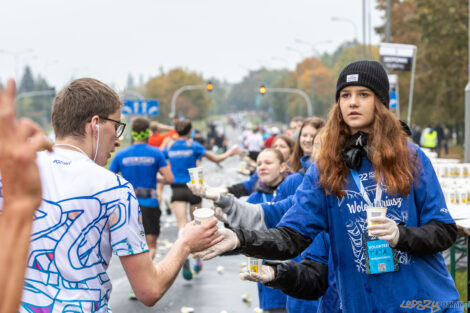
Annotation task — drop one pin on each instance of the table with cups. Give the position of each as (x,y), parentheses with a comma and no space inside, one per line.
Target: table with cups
(454,178)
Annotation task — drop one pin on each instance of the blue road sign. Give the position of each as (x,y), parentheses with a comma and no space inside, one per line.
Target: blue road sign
(140,107)
(393,100)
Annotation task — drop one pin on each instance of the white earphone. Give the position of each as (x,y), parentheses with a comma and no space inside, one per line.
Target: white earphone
(97,127)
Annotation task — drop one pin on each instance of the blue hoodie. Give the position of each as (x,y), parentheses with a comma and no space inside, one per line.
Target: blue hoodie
(317,251)
(419,277)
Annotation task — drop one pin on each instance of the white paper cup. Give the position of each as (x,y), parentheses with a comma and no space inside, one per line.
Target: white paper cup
(375,212)
(203,215)
(463,195)
(197,175)
(254,265)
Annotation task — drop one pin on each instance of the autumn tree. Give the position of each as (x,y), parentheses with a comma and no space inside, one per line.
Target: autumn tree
(440,31)
(192,104)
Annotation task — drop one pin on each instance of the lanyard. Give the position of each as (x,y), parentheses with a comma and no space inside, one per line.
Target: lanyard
(362,190)
(264,197)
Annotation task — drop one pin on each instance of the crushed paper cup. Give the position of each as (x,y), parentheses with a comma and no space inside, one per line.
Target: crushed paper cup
(187,309)
(246,297)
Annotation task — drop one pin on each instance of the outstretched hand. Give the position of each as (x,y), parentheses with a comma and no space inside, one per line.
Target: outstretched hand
(205,191)
(19,142)
(229,242)
(199,237)
(266,275)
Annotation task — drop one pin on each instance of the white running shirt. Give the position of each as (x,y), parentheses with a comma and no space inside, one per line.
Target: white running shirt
(87,213)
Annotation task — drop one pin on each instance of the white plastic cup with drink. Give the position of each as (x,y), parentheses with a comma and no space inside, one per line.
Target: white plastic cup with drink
(203,215)
(254,265)
(197,175)
(372,212)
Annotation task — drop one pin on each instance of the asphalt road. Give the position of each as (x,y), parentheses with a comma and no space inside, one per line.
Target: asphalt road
(209,291)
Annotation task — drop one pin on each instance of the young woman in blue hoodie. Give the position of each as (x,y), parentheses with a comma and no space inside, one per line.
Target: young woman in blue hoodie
(271,169)
(382,264)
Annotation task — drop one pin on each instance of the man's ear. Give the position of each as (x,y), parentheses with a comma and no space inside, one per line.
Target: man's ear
(94,125)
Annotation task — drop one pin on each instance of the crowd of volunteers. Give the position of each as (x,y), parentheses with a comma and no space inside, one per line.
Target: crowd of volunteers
(345,214)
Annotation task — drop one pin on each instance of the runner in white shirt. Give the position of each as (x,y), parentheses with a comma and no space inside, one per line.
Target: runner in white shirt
(254,143)
(89,213)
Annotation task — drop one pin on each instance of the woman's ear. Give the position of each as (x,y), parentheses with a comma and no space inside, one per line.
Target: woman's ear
(284,167)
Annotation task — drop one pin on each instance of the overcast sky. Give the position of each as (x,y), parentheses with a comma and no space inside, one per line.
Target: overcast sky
(108,39)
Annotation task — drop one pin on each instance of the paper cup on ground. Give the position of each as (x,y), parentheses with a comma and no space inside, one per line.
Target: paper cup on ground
(203,215)
(375,212)
(254,265)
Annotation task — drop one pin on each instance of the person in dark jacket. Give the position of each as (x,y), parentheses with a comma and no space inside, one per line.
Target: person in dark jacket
(383,264)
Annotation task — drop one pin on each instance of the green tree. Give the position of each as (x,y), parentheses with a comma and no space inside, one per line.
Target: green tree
(38,108)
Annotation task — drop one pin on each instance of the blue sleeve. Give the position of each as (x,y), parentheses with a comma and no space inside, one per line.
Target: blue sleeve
(115,163)
(251,183)
(165,152)
(160,158)
(198,149)
(288,186)
(274,211)
(319,249)
(309,212)
(429,199)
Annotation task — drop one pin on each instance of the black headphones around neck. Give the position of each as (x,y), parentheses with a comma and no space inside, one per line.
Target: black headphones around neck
(355,150)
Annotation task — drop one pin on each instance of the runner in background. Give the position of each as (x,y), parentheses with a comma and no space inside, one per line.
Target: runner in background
(139,164)
(184,153)
(159,140)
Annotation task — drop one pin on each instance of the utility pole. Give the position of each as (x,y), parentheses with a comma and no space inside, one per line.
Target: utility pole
(388,30)
(364,29)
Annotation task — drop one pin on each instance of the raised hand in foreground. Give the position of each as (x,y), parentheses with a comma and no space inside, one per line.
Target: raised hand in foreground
(21,192)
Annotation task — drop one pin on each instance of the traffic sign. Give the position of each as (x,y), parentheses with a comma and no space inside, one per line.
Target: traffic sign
(397,56)
(393,80)
(140,107)
(393,100)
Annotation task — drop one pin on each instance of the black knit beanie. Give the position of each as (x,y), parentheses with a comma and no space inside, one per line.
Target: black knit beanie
(365,73)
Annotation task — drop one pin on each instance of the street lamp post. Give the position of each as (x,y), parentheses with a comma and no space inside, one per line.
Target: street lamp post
(314,51)
(467,114)
(16,55)
(282,60)
(180,91)
(341,19)
(292,90)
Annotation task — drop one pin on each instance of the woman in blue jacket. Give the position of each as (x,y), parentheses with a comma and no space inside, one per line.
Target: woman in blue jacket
(283,144)
(271,172)
(393,264)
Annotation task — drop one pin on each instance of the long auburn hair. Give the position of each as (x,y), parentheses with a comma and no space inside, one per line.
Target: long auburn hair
(387,149)
(297,154)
